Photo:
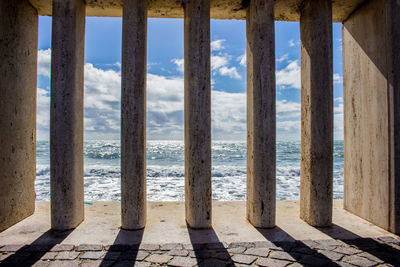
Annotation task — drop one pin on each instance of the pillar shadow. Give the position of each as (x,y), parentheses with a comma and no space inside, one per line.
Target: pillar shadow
(208,249)
(380,250)
(32,253)
(298,250)
(125,248)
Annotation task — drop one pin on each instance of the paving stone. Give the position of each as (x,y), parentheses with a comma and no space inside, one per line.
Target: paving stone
(304,250)
(67,255)
(263,244)
(41,264)
(97,263)
(310,243)
(213,263)
(178,252)
(241,244)
(149,247)
(160,259)
(183,261)
(5,256)
(64,263)
(134,255)
(219,245)
(38,248)
(89,247)
(347,250)
(281,255)
(268,262)
(170,246)
(92,255)
(371,257)
(262,252)
(333,256)
(49,256)
(359,261)
(117,247)
(245,259)
(128,263)
(142,264)
(220,255)
(11,248)
(339,263)
(314,261)
(112,255)
(62,247)
(296,264)
(389,239)
(236,250)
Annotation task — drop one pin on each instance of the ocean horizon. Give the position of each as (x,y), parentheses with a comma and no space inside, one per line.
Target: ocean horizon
(165,170)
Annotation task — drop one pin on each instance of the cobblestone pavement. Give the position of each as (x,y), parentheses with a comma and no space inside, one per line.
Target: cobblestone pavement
(383,251)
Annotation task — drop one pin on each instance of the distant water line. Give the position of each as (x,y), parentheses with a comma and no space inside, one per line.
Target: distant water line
(165,170)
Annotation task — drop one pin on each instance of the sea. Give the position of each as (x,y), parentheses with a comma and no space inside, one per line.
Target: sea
(165,170)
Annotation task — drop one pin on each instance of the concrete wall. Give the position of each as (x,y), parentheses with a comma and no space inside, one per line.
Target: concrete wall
(18,54)
(371,113)
(286,10)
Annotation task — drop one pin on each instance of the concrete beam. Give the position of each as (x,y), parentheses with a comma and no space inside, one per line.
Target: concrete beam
(66,114)
(316,113)
(286,10)
(371,83)
(261,121)
(133,115)
(197,114)
(18,64)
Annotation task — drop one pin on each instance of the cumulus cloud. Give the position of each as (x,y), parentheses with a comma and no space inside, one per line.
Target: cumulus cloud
(291,43)
(289,77)
(44,62)
(179,62)
(217,45)
(231,72)
(242,59)
(337,78)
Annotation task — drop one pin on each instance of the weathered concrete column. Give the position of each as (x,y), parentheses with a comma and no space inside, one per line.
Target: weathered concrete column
(371,91)
(316,112)
(18,64)
(133,115)
(66,114)
(197,114)
(261,122)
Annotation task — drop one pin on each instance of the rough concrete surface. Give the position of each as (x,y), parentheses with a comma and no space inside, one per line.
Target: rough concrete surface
(371,100)
(261,114)
(316,180)
(197,113)
(286,10)
(133,115)
(18,53)
(166,224)
(66,114)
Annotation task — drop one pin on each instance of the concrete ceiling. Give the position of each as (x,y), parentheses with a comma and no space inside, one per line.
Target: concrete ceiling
(285,10)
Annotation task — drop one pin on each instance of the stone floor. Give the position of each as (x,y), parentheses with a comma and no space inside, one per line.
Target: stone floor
(381,251)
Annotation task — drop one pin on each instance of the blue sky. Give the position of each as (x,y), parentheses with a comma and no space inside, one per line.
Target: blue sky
(165,79)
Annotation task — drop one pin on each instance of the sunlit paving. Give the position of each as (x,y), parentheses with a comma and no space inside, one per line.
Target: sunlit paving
(200,133)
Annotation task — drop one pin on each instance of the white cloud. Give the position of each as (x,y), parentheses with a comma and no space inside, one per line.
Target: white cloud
(231,72)
(217,45)
(242,59)
(218,62)
(291,43)
(44,62)
(283,58)
(179,62)
(337,79)
(289,77)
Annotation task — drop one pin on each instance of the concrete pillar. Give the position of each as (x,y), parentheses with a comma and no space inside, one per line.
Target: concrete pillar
(18,64)
(197,113)
(133,115)
(66,114)
(261,122)
(371,85)
(316,112)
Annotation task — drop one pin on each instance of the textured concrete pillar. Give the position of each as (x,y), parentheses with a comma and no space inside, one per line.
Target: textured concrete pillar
(371,85)
(197,114)
(18,54)
(261,123)
(66,114)
(316,112)
(133,115)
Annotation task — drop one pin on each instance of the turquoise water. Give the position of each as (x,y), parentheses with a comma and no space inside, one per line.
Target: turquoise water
(165,170)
